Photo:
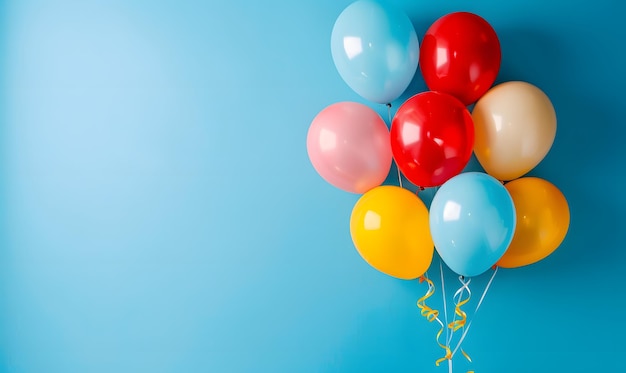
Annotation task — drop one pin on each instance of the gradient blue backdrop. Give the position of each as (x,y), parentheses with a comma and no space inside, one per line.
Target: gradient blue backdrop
(159,213)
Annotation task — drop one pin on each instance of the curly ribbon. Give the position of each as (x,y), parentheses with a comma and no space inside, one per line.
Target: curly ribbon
(429,313)
(432,315)
(480,301)
(460,301)
(448,356)
(463,322)
(443,294)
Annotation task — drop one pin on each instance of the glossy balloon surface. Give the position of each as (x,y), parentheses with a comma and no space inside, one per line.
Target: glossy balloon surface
(375,50)
(348,145)
(460,55)
(432,136)
(515,126)
(389,227)
(472,221)
(542,221)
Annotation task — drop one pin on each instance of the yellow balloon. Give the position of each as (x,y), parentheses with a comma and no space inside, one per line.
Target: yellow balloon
(390,230)
(515,126)
(542,221)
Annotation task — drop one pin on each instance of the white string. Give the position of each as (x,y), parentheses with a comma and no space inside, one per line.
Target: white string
(457,297)
(443,294)
(397,167)
(445,309)
(469,324)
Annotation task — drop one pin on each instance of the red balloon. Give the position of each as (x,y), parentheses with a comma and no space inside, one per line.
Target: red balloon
(432,136)
(460,55)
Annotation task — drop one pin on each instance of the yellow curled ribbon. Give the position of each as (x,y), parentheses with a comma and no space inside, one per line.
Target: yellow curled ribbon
(448,355)
(460,323)
(429,313)
(432,315)
(460,302)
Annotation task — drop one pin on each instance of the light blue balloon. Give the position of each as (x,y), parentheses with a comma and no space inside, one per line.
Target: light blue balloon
(472,221)
(375,50)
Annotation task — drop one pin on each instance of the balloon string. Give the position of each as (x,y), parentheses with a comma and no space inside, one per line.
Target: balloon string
(397,167)
(433,315)
(448,352)
(456,298)
(480,301)
(443,294)
(460,301)
(429,313)
(447,356)
(455,324)
(445,310)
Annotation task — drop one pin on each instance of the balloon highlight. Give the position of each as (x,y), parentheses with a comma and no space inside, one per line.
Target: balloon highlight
(542,221)
(472,221)
(348,145)
(375,50)
(389,228)
(432,136)
(460,55)
(515,126)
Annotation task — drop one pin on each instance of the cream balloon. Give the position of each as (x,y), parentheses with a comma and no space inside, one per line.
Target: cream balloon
(515,126)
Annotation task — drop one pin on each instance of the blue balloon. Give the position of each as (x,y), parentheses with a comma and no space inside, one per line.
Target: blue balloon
(375,50)
(472,221)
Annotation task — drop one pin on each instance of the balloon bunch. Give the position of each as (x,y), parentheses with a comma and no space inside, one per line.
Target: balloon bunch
(477,220)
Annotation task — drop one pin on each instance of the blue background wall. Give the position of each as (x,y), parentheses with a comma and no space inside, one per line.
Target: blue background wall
(159,213)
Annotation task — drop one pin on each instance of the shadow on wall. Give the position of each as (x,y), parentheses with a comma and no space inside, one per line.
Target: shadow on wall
(579,160)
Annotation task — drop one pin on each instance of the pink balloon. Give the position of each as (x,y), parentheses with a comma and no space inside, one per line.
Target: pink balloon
(349,146)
